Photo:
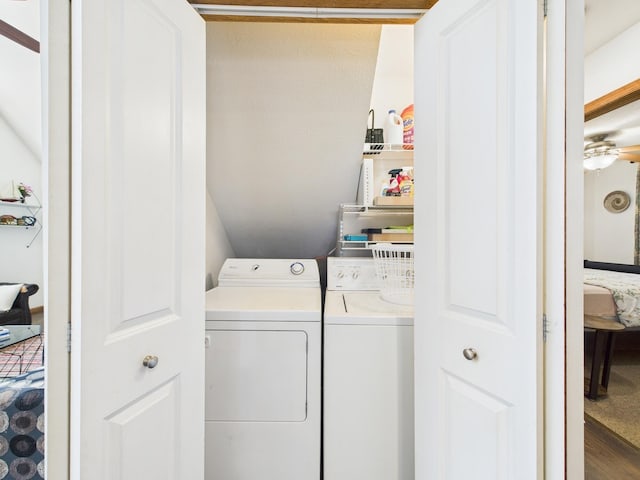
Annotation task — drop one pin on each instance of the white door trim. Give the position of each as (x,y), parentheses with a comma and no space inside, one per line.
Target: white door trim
(574,206)
(55,53)
(554,257)
(564,398)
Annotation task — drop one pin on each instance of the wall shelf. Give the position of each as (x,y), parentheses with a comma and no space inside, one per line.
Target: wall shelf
(354,218)
(29,209)
(386,151)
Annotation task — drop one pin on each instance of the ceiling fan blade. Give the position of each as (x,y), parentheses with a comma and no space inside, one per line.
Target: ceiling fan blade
(630,157)
(629,149)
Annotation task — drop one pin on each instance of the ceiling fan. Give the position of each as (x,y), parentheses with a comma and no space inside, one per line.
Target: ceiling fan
(600,153)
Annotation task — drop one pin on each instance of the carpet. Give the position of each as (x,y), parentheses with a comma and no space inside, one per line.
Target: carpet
(22,357)
(619,410)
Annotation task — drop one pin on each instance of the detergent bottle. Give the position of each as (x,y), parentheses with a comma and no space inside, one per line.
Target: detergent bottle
(407,127)
(393,129)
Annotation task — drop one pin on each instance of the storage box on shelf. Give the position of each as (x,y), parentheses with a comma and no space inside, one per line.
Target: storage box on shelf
(356,219)
(376,165)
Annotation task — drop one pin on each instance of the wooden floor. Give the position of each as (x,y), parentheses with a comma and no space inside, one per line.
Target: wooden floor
(608,456)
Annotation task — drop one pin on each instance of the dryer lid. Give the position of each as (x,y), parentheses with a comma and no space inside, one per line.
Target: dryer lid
(269,272)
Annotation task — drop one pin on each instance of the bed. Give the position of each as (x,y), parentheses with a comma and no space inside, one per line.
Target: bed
(610,291)
(613,290)
(22,426)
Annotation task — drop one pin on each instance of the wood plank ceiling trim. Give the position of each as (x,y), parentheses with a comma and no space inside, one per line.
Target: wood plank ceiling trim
(307,4)
(256,19)
(18,36)
(615,99)
(386,4)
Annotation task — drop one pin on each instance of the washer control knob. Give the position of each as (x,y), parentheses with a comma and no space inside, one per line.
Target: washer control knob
(297,268)
(355,275)
(340,274)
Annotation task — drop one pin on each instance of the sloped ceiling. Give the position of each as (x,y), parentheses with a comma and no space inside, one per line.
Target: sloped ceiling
(605,19)
(20,80)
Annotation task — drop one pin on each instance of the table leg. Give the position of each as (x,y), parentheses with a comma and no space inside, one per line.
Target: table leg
(598,354)
(606,368)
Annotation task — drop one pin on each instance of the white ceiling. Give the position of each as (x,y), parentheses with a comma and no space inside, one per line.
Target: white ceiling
(605,19)
(622,125)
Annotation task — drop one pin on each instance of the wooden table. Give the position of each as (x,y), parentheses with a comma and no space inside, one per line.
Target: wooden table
(603,343)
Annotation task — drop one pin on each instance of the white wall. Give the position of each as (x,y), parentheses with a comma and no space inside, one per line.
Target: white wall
(609,237)
(20,97)
(612,65)
(393,82)
(20,142)
(287,108)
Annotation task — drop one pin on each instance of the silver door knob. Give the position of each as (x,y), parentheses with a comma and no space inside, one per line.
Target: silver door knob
(150,361)
(470,354)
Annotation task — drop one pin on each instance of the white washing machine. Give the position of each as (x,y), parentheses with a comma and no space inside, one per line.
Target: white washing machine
(368,377)
(263,371)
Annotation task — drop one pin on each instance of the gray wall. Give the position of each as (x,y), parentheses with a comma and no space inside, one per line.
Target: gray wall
(287,109)
(218,246)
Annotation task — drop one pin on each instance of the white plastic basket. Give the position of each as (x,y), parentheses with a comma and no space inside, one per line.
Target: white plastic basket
(394,269)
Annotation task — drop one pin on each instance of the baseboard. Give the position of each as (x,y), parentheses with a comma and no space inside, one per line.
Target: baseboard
(37,309)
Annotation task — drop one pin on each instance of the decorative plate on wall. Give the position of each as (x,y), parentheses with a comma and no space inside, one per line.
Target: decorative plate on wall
(617,201)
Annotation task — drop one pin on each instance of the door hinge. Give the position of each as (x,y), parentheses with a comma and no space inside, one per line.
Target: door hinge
(68,337)
(545,327)
(545,8)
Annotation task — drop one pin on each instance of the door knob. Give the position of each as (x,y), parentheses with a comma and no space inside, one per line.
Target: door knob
(470,354)
(150,361)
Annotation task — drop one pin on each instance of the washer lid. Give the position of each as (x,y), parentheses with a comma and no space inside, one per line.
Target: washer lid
(364,308)
(263,304)
(297,273)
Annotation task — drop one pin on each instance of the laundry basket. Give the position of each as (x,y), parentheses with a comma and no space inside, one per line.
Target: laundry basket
(394,269)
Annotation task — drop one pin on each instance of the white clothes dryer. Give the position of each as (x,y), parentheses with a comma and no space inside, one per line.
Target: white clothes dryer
(263,371)
(368,377)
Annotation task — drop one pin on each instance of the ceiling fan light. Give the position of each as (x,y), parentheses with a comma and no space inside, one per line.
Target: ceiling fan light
(598,162)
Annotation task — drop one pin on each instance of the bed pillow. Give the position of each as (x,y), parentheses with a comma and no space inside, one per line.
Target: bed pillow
(8,294)
(614,267)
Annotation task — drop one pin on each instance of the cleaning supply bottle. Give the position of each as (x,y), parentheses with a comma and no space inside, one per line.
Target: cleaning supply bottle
(407,127)
(393,129)
(393,189)
(405,182)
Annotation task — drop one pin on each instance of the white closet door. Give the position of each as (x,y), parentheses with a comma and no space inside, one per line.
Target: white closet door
(478,332)
(138,100)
